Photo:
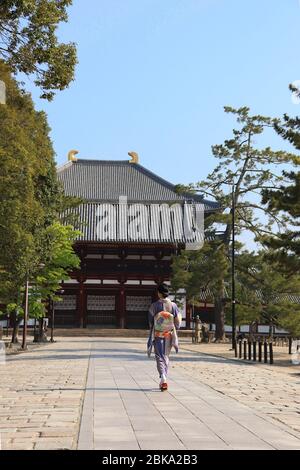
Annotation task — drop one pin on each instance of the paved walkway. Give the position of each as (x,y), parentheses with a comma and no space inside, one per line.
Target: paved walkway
(271,389)
(41,395)
(213,403)
(124,409)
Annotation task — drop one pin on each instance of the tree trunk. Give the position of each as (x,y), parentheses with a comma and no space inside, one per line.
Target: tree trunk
(40,334)
(219,318)
(16,323)
(15,331)
(271,331)
(252,330)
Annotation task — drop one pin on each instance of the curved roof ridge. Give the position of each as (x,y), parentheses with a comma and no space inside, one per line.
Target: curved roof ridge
(92,180)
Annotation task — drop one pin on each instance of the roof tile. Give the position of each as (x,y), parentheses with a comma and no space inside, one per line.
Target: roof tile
(107,180)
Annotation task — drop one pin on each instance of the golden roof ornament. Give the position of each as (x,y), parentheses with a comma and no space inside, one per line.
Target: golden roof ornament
(134,157)
(71,155)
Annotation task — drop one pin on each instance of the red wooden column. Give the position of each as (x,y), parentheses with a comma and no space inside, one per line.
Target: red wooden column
(81,311)
(81,308)
(188,316)
(121,307)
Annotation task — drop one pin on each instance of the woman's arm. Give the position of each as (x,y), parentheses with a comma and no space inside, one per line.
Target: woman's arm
(177,317)
(151,314)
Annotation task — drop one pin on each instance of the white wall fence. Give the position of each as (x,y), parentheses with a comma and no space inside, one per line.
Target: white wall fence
(263,329)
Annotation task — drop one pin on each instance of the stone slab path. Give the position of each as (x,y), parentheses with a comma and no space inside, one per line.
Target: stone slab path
(124,409)
(102,393)
(41,396)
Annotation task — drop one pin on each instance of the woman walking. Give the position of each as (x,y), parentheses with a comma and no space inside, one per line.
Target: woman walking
(164,320)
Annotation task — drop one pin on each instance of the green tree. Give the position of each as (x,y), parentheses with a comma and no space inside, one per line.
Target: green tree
(290,320)
(30,194)
(29,191)
(251,170)
(265,293)
(58,261)
(285,246)
(29,43)
(285,200)
(203,270)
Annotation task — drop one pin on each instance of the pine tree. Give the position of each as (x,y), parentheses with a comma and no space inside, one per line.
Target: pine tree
(285,201)
(204,270)
(265,293)
(249,170)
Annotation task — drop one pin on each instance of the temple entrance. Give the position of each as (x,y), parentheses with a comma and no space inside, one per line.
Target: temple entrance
(137,307)
(101,311)
(66,311)
(110,306)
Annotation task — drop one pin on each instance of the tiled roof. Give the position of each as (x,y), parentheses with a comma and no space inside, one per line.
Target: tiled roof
(207,294)
(106,180)
(108,222)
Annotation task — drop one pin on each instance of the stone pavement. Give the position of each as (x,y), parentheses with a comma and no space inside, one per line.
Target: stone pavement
(124,409)
(101,393)
(271,389)
(41,394)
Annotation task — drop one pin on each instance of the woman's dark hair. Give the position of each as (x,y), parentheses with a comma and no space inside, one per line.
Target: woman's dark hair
(163,289)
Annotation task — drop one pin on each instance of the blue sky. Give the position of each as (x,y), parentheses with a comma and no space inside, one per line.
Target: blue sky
(154,75)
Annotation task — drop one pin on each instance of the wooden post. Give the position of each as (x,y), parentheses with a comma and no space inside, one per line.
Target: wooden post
(24,341)
(188,316)
(290,345)
(265,352)
(122,308)
(254,350)
(259,350)
(271,352)
(81,310)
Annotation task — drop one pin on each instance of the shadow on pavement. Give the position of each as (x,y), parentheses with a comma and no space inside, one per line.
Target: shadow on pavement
(100,389)
(127,355)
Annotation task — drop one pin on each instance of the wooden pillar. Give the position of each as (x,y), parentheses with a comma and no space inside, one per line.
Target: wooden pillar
(121,308)
(188,316)
(81,311)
